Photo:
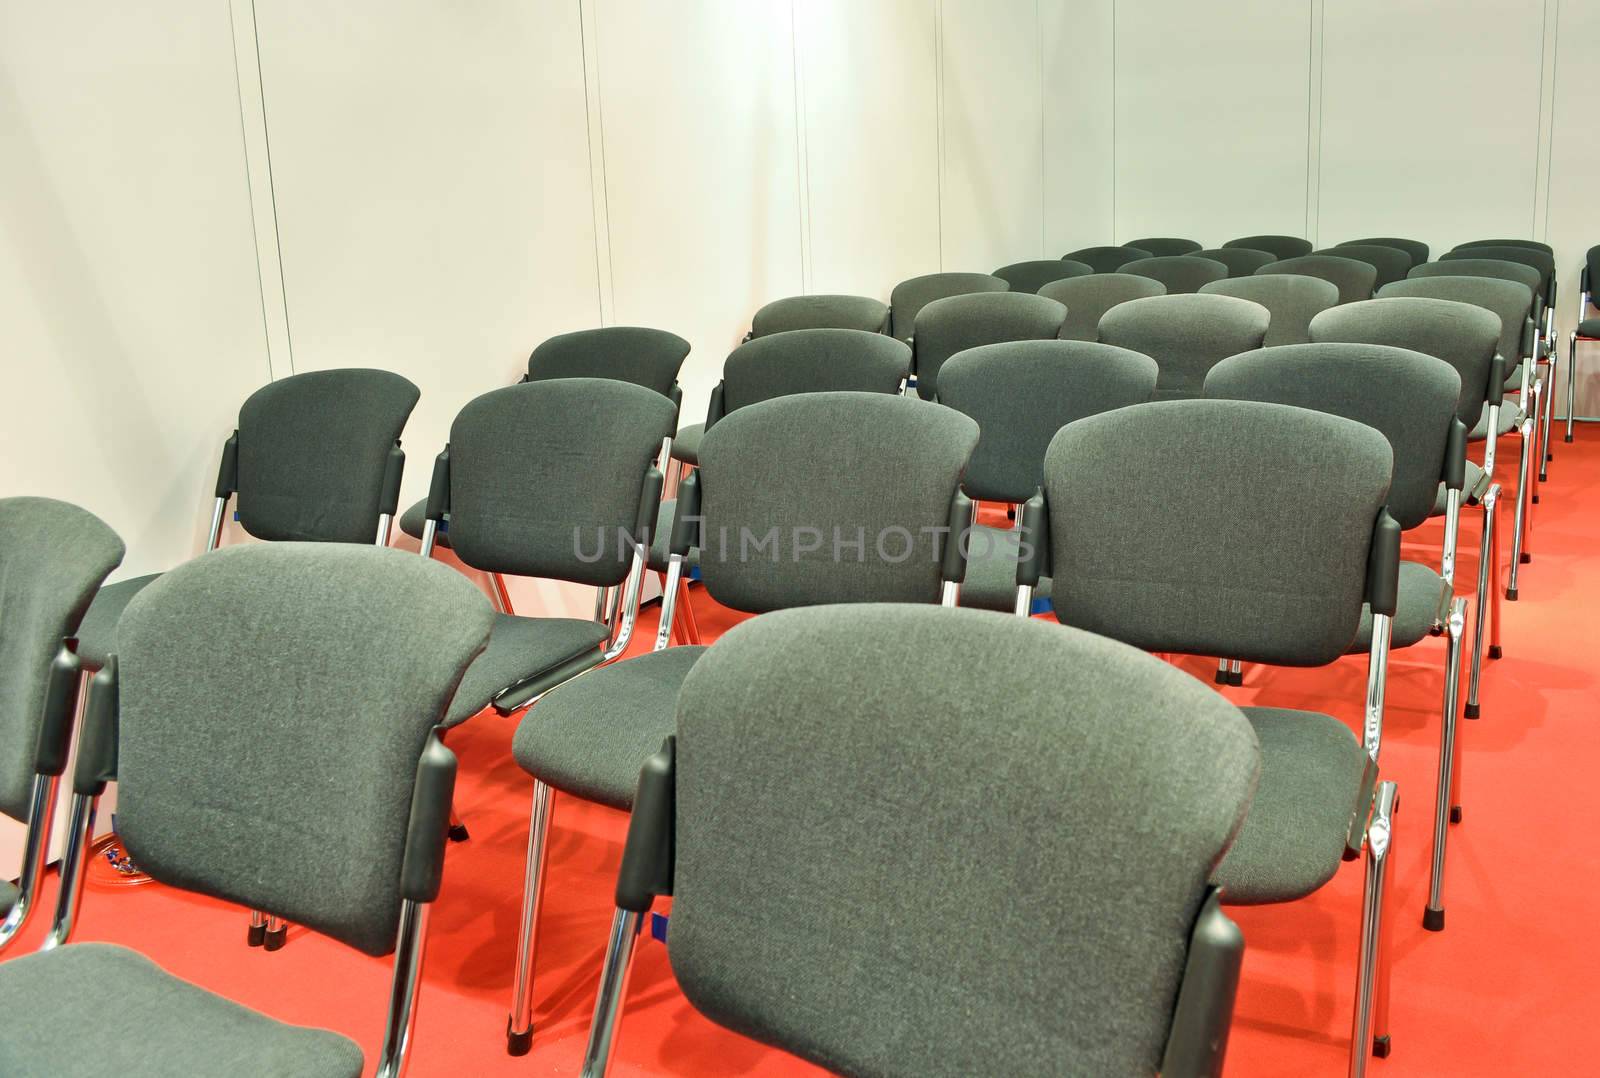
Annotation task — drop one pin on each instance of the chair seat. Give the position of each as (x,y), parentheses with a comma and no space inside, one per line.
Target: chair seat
(1294,835)
(991,582)
(1514,379)
(94,1008)
(686,443)
(1471,481)
(1421,592)
(411,522)
(1509,415)
(590,737)
(1589,327)
(97,632)
(521,649)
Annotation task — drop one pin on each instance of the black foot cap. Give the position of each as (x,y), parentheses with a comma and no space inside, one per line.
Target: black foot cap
(273,941)
(1455,814)
(1495,651)
(1471,711)
(1526,558)
(1535,502)
(1433,921)
(517,1044)
(1380,1046)
(1235,678)
(1566,437)
(458,832)
(256,936)
(1511,594)
(1222,677)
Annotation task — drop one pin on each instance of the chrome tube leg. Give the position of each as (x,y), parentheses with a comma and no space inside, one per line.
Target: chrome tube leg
(1523,474)
(519,1025)
(669,601)
(1433,916)
(214,536)
(1572,380)
(384,523)
(80,829)
(35,853)
(613,989)
(402,1017)
(1368,974)
(1495,591)
(258,929)
(1222,671)
(1235,672)
(1481,600)
(1549,406)
(277,934)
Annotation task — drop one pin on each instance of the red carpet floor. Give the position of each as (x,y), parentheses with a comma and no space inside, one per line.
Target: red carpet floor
(1509,988)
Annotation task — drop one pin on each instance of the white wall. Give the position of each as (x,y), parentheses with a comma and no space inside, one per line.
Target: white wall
(1572,222)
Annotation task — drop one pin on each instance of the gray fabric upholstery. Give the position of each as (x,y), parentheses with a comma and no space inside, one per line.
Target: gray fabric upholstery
(1493,268)
(818,468)
(413,520)
(1087,299)
(1532,245)
(1474,477)
(1165,246)
(590,736)
(1422,591)
(686,443)
(1291,300)
(1508,419)
(546,477)
(1022,392)
(313,450)
(1304,807)
(1415,248)
(948,326)
(521,649)
(812,361)
(1030,276)
(1185,335)
(275,699)
(1541,262)
(1009,838)
(821,312)
(910,296)
(1392,263)
(1409,396)
(1354,279)
(1247,534)
(645,357)
(8,896)
(97,633)
(1179,273)
(661,539)
(1241,261)
(991,582)
(53,556)
(1282,246)
(93,1009)
(1589,327)
(1106,259)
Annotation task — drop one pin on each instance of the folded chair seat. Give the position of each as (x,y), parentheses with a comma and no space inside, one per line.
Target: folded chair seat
(686,443)
(8,896)
(1509,416)
(97,632)
(991,582)
(520,650)
(1421,603)
(1589,327)
(126,1012)
(1473,479)
(412,520)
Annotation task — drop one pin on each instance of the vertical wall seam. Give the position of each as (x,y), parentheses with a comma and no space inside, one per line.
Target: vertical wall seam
(1316,47)
(801,150)
(1539,223)
(1114,230)
(1550,145)
(588,142)
(1044,176)
(250,194)
(272,190)
(938,112)
(599,180)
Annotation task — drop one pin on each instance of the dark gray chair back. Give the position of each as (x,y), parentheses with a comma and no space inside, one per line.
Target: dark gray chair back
(296,797)
(1509,302)
(546,477)
(820,312)
(948,326)
(1241,261)
(1591,274)
(829,498)
(1409,397)
(1185,335)
(1495,269)
(813,361)
(1062,738)
(1282,246)
(53,557)
(1531,245)
(1180,274)
(1415,248)
(1107,259)
(909,297)
(1087,299)
(1031,276)
(646,357)
(1542,262)
(1165,246)
(1291,300)
(1022,392)
(1238,539)
(1392,263)
(1354,279)
(313,453)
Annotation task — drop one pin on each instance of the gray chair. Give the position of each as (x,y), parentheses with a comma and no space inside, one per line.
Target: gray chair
(1087,299)
(1415,248)
(1106,259)
(53,556)
(948,326)
(316,457)
(1587,331)
(1532,245)
(1282,246)
(1392,263)
(802,500)
(1291,301)
(337,825)
(1076,943)
(820,312)
(1412,399)
(910,296)
(1020,394)
(1033,275)
(1354,279)
(1163,246)
(1180,274)
(1236,541)
(1185,335)
(1241,261)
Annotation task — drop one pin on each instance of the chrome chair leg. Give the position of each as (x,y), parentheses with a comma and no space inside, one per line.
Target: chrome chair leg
(276,934)
(1481,600)
(613,988)
(1552,363)
(1433,916)
(1496,593)
(519,1024)
(1235,672)
(409,946)
(1572,379)
(1222,671)
(1524,473)
(1368,973)
(258,929)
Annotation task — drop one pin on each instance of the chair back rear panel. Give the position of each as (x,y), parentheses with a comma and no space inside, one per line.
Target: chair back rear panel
(1291,300)
(952,325)
(1391,263)
(1185,335)
(1241,261)
(1282,246)
(820,312)
(646,357)
(1107,259)
(1355,279)
(813,361)
(910,296)
(1032,275)
(1087,299)
(1415,248)
(1179,273)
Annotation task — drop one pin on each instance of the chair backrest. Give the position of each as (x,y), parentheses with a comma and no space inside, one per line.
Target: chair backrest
(910,296)
(646,357)
(948,326)
(1107,259)
(1408,396)
(1022,392)
(1087,299)
(1532,245)
(1248,535)
(546,477)
(1494,269)
(1030,276)
(1282,246)
(1508,301)
(1163,246)
(1415,248)
(295,798)
(1542,262)
(1181,274)
(1291,300)
(1055,740)
(1241,261)
(1185,335)
(1354,279)
(813,361)
(1591,271)
(313,453)
(1392,263)
(53,557)
(829,498)
(820,312)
